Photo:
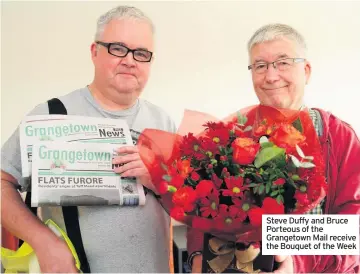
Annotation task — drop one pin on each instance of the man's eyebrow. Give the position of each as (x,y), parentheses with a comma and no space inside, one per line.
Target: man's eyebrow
(123,44)
(119,43)
(282,55)
(259,61)
(142,49)
(279,56)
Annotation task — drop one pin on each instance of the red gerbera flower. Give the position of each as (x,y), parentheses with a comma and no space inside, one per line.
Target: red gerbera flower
(217,181)
(210,205)
(219,136)
(209,147)
(214,125)
(235,186)
(190,145)
(226,216)
(243,207)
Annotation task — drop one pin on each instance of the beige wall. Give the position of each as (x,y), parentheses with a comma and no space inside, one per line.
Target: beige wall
(201,59)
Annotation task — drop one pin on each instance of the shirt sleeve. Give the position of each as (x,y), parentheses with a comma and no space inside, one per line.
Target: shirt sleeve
(11,155)
(344,198)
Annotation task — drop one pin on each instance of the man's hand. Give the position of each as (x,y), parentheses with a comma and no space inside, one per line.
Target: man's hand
(52,253)
(197,264)
(132,166)
(286,264)
(54,256)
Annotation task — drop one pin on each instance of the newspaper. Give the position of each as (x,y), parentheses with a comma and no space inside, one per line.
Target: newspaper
(81,174)
(70,129)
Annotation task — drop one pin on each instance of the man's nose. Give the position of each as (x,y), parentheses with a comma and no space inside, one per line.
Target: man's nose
(128,60)
(272,74)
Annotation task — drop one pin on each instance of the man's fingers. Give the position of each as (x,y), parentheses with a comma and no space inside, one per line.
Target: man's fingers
(129,166)
(135,172)
(126,158)
(280,258)
(127,149)
(286,266)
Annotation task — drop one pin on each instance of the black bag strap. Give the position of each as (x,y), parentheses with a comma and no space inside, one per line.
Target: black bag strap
(56,107)
(71,219)
(70,213)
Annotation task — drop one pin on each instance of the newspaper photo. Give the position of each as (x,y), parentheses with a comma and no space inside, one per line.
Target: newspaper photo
(81,174)
(69,128)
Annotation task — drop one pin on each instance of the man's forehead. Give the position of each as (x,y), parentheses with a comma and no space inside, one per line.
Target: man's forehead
(273,50)
(129,32)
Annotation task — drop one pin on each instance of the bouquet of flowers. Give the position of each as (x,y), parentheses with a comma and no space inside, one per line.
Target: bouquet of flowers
(222,178)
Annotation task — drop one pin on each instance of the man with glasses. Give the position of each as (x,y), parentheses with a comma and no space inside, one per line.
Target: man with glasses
(280,71)
(115,239)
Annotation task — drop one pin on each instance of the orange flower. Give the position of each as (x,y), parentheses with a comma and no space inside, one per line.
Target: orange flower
(286,136)
(184,168)
(262,130)
(244,150)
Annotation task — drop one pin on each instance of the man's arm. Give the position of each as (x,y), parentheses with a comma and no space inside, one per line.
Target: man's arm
(53,253)
(344,197)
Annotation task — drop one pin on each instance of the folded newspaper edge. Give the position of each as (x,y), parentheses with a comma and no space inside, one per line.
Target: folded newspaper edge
(69,128)
(54,175)
(80,174)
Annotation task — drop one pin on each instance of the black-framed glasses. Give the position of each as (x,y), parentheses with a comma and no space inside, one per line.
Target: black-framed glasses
(281,64)
(119,50)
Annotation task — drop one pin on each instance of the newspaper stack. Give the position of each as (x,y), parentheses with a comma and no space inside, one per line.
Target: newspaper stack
(69,159)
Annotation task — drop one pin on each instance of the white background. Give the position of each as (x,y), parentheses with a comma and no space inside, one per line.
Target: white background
(201,57)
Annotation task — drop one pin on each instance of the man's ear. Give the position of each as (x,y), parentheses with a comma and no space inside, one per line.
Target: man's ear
(93,49)
(307,69)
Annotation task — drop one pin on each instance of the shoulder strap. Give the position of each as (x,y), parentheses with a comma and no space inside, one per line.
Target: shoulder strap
(70,213)
(56,107)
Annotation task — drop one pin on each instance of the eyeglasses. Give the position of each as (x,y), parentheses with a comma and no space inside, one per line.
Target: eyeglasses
(281,65)
(119,50)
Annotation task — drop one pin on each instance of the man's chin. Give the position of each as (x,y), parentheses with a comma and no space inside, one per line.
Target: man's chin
(278,104)
(127,89)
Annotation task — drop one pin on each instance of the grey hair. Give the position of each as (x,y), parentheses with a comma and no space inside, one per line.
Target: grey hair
(277,31)
(120,12)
